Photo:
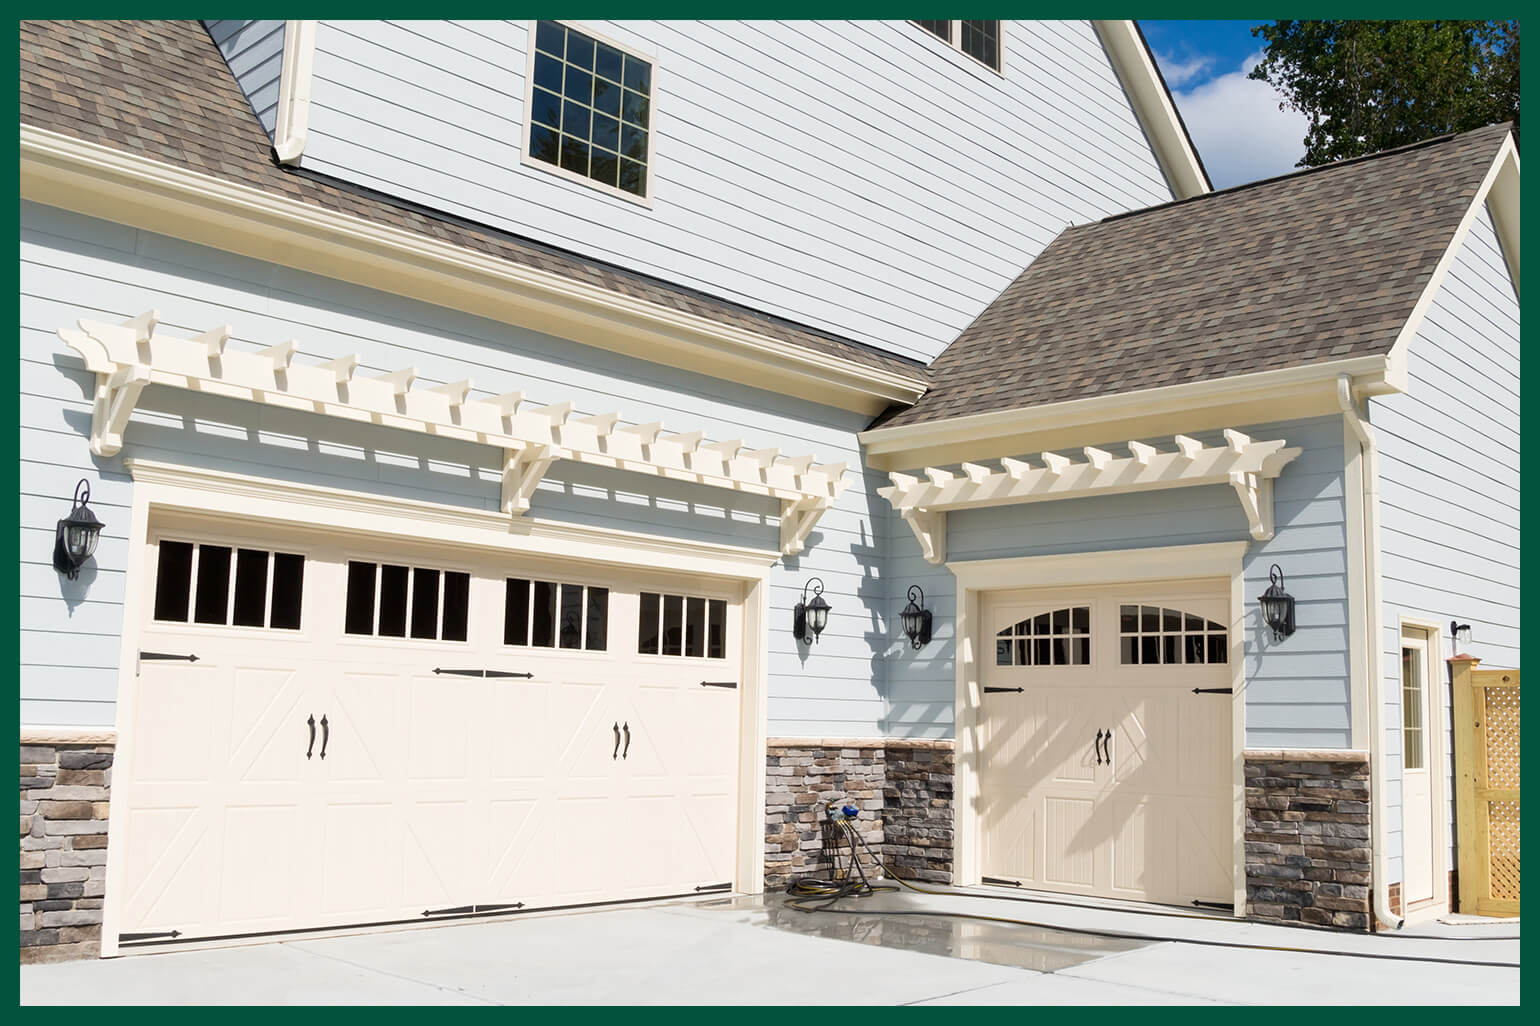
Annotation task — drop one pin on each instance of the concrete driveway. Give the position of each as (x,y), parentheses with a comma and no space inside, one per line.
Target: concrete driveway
(754,951)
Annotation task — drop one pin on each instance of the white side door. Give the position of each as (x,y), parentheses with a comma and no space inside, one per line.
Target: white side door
(1416,782)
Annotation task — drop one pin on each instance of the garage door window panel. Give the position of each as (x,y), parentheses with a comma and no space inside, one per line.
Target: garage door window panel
(554,614)
(389,600)
(1151,635)
(225,586)
(1059,637)
(688,626)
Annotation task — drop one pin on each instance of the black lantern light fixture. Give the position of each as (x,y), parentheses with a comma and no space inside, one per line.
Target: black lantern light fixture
(76,536)
(1460,632)
(916,618)
(1278,605)
(812,614)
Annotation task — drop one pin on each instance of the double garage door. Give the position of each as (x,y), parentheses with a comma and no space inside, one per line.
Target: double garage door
(1106,752)
(379,736)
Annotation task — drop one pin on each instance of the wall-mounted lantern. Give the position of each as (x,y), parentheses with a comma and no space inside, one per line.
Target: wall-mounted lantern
(76,536)
(1460,632)
(1278,605)
(811,615)
(916,618)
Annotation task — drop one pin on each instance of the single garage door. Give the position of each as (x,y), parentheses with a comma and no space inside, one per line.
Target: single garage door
(374,734)
(1101,771)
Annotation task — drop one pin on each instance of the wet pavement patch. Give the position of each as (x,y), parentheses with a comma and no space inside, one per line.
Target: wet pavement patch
(890,921)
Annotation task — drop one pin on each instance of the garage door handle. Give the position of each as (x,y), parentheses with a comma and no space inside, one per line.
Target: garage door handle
(1107,746)
(326,735)
(616,753)
(1096,746)
(311,749)
(626,751)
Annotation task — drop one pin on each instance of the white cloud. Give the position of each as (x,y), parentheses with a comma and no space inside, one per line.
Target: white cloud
(1179,73)
(1239,131)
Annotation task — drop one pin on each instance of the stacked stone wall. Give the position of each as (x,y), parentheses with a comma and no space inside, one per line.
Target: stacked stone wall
(902,789)
(64,795)
(1307,839)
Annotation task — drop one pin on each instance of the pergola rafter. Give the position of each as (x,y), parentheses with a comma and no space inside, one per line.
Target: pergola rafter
(128,356)
(1247,465)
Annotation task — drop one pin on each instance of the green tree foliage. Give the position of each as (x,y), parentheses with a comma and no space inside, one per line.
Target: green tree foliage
(1367,86)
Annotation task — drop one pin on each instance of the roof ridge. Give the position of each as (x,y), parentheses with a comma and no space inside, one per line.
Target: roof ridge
(1302,172)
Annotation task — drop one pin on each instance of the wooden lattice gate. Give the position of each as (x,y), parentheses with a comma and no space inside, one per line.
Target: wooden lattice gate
(1486,758)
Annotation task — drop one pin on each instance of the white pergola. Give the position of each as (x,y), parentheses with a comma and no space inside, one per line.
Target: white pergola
(1244,463)
(128,356)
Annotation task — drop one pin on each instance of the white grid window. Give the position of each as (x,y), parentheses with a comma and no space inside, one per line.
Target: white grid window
(1155,635)
(978,39)
(1058,638)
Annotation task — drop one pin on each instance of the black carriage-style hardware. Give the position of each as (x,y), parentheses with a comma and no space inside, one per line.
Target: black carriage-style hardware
(996,691)
(719,684)
(311,724)
(326,734)
(616,753)
(465,910)
(172,656)
(703,888)
(625,753)
(1096,746)
(482,673)
(1213,691)
(130,937)
(1000,881)
(1222,905)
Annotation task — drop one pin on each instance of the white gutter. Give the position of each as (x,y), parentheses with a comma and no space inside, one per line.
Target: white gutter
(1373,614)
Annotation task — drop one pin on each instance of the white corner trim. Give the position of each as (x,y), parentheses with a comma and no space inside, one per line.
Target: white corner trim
(1249,466)
(101,181)
(199,491)
(293,119)
(1501,184)
(1114,566)
(1152,105)
(128,356)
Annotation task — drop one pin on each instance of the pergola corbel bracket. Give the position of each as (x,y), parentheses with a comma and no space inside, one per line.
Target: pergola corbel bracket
(128,356)
(1248,465)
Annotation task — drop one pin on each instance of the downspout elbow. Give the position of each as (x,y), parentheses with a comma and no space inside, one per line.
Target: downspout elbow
(1380,889)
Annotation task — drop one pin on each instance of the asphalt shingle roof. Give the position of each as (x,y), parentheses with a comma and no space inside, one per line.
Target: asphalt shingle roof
(1320,265)
(162,89)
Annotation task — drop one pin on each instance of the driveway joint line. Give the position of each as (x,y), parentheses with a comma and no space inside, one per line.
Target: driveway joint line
(382,972)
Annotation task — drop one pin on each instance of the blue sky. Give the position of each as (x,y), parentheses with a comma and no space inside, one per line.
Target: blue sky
(1235,122)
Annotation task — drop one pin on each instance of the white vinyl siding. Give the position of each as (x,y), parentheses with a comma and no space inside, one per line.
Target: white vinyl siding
(254,52)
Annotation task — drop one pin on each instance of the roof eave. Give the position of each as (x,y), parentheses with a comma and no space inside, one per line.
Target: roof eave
(1286,393)
(64,171)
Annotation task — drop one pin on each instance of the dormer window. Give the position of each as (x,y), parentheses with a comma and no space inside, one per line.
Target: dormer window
(590,110)
(978,39)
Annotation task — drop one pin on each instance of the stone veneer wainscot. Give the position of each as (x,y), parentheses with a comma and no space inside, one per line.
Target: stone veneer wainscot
(1307,837)
(64,794)
(903,789)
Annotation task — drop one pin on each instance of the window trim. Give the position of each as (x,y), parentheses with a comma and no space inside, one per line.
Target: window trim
(646,199)
(954,44)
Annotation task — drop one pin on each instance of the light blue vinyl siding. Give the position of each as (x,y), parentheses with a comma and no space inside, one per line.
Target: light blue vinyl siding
(1296,692)
(1449,488)
(808,169)
(254,52)
(74,267)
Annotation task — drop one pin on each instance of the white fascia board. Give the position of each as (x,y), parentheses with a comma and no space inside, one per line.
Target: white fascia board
(1501,187)
(101,181)
(293,120)
(1153,107)
(1283,394)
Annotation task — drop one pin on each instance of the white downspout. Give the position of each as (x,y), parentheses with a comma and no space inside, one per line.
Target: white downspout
(1380,890)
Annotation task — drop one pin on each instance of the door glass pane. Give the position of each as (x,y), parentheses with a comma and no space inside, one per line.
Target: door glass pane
(250,588)
(544,632)
(425,604)
(571,616)
(716,630)
(393,587)
(673,624)
(647,624)
(212,603)
(457,605)
(695,628)
(596,634)
(516,612)
(360,614)
(173,581)
(1411,709)
(288,587)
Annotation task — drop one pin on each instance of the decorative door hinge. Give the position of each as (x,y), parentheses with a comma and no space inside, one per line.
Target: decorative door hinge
(996,691)
(482,673)
(1213,691)
(719,684)
(129,938)
(466,910)
(713,887)
(1000,881)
